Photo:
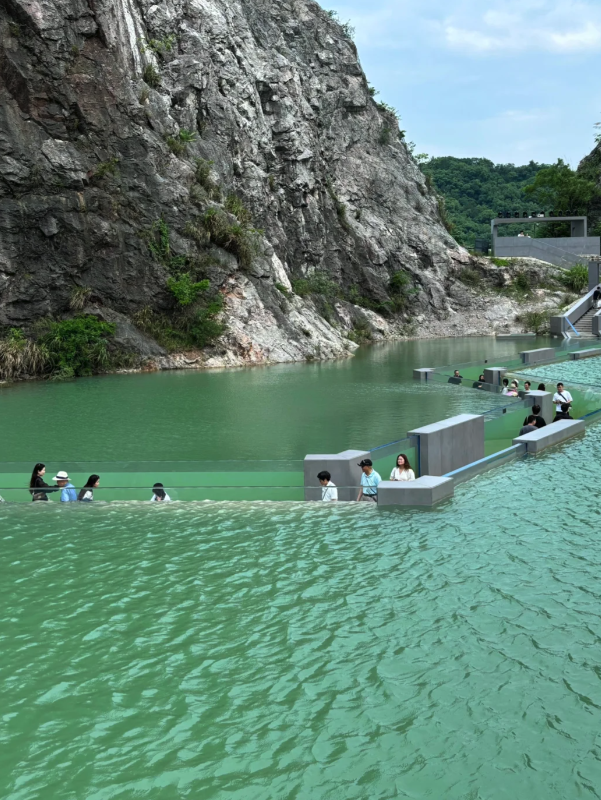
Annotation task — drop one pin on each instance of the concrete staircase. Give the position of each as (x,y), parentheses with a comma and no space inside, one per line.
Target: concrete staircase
(584,324)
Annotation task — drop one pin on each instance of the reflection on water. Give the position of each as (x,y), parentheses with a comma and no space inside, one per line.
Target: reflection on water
(289,651)
(285,411)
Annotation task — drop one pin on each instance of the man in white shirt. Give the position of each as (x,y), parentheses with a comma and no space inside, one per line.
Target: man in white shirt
(329,492)
(560,397)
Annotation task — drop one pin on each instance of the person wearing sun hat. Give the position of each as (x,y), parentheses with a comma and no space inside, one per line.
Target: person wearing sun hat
(68,491)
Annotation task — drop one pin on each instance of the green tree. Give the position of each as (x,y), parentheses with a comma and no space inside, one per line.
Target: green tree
(560,189)
(475,190)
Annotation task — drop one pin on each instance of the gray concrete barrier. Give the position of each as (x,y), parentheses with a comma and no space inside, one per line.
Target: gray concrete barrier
(542,399)
(591,352)
(494,375)
(344,469)
(535,356)
(552,434)
(422,374)
(425,491)
(450,444)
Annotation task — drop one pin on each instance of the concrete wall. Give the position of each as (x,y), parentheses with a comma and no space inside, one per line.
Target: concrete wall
(494,375)
(344,469)
(425,491)
(563,252)
(552,434)
(450,444)
(536,356)
(591,352)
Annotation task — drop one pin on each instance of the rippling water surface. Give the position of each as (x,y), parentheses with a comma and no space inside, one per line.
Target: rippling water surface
(265,651)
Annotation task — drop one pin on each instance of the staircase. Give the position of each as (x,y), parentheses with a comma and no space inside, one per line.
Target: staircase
(584,324)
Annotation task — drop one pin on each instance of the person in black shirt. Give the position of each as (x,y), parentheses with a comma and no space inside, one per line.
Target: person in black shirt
(538,420)
(38,489)
(564,413)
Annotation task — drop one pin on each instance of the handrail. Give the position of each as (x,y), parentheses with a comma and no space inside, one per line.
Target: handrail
(571,326)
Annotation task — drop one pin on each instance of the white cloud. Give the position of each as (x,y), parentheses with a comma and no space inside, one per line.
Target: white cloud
(554,27)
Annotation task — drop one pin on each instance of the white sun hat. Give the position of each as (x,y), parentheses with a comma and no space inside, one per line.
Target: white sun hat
(61,476)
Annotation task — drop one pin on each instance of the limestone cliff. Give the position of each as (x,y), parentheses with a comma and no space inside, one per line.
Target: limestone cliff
(122,122)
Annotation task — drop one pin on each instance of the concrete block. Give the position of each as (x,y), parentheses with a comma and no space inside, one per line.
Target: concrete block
(494,375)
(590,352)
(450,444)
(422,374)
(552,434)
(594,274)
(542,399)
(344,469)
(425,491)
(535,356)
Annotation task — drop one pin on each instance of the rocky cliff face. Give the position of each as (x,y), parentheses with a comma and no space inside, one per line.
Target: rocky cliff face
(110,112)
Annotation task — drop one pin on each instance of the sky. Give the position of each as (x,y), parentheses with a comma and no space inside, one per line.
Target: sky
(511,81)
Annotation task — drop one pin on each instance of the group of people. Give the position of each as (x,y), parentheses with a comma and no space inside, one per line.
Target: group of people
(368,492)
(562,401)
(40,490)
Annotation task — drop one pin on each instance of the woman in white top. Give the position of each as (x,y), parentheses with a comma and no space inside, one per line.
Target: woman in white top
(402,471)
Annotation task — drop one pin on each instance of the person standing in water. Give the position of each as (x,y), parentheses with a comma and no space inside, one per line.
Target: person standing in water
(86,495)
(38,488)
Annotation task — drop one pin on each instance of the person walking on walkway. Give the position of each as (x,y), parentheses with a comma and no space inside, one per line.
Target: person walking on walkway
(329,492)
(560,397)
(86,495)
(370,479)
(159,495)
(563,413)
(539,421)
(38,488)
(68,492)
(530,426)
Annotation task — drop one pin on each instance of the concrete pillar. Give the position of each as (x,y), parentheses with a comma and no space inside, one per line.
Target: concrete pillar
(594,274)
(542,399)
(425,491)
(536,356)
(494,375)
(578,228)
(344,469)
(422,374)
(450,444)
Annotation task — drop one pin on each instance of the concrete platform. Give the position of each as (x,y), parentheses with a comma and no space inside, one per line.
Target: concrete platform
(555,433)
(422,374)
(425,491)
(591,352)
(535,356)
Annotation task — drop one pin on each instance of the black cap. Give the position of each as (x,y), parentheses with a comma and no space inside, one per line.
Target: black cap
(366,463)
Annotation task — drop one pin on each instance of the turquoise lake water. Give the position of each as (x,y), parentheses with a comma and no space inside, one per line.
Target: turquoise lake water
(261,651)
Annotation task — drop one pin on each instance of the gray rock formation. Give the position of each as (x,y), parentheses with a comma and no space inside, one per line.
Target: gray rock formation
(96,95)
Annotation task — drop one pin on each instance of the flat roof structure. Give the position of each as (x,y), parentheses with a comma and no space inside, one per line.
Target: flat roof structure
(577,228)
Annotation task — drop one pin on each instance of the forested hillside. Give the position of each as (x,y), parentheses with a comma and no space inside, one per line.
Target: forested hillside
(475,190)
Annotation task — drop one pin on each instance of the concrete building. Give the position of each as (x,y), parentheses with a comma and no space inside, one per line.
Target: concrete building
(563,251)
